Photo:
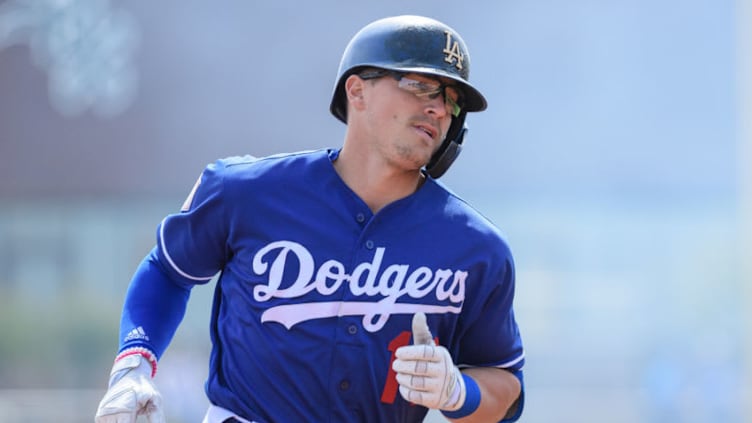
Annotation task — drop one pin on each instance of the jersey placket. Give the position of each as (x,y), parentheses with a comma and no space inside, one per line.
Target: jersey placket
(349,378)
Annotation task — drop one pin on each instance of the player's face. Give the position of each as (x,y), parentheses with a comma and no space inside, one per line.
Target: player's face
(409,116)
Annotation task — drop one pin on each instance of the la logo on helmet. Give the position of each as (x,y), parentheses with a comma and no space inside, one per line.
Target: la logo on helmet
(452,51)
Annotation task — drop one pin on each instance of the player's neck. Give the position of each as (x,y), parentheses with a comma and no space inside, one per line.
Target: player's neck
(374,182)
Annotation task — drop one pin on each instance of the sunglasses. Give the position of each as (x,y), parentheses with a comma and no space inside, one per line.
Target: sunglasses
(422,87)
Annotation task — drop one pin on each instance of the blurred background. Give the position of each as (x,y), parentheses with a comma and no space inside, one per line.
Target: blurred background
(615,154)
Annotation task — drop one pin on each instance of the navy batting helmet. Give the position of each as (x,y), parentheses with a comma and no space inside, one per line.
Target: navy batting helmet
(413,44)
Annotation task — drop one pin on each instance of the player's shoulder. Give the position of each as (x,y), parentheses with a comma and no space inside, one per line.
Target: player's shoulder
(248,166)
(240,163)
(470,221)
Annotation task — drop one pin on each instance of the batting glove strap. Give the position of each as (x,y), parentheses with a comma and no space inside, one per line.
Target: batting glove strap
(457,397)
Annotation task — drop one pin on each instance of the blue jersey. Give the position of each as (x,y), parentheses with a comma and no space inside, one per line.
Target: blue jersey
(316,292)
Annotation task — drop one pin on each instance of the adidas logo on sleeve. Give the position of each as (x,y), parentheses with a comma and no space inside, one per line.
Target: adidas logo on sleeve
(137,333)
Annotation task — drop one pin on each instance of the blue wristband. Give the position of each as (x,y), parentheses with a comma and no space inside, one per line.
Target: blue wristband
(472,400)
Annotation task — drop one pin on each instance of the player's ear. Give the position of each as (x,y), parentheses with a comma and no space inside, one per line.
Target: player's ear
(354,89)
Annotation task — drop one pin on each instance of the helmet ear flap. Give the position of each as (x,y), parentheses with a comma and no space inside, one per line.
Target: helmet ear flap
(446,154)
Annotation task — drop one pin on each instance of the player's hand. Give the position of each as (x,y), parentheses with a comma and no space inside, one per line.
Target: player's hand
(131,393)
(426,373)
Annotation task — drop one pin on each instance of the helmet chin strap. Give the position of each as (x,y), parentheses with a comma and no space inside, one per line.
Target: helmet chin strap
(446,155)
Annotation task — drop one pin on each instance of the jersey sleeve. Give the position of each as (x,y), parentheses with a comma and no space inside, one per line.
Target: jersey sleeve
(493,324)
(192,244)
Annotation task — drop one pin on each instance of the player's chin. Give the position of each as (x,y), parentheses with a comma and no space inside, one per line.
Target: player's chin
(413,154)
(421,157)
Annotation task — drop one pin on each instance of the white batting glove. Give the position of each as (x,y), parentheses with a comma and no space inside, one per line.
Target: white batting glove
(426,373)
(131,393)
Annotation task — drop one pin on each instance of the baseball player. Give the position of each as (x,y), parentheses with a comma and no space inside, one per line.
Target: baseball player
(353,286)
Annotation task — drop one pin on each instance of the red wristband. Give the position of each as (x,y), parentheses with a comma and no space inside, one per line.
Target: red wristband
(143,352)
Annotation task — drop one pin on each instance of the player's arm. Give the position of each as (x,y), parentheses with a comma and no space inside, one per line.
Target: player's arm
(154,307)
(191,249)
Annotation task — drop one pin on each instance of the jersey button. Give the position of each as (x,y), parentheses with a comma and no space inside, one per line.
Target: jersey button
(360,218)
(344,385)
(352,329)
(369,244)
